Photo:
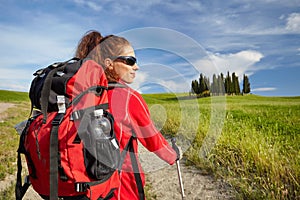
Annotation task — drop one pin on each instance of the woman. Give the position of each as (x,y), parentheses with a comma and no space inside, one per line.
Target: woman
(132,117)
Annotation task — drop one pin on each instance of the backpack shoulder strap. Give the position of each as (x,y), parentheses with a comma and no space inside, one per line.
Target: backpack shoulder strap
(129,148)
(54,155)
(113,85)
(48,83)
(136,171)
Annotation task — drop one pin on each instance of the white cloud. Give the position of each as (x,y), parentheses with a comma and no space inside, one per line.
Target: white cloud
(154,77)
(18,74)
(293,23)
(33,43)
(145,82)
(36,48)
(90,4)
(174,86)
(15,79)
(241,63)
(264,89)
(15,86)
(161,85)
(44,39)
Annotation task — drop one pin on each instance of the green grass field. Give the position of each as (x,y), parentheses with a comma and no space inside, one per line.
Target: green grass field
(252,142)
(258,148)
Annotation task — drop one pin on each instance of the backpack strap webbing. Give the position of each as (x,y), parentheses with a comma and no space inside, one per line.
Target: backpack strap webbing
(46,92)
(97,90)
(136,171)
(20,189)
(54,156)
(113,85)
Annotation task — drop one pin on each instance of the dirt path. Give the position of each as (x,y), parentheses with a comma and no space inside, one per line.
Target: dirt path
(164,182)
(162,178)
(4,107)
(165,185)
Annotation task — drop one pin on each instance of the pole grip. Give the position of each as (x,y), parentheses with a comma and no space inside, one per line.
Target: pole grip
(174,146)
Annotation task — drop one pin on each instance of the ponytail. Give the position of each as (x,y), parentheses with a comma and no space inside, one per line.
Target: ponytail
(87,43)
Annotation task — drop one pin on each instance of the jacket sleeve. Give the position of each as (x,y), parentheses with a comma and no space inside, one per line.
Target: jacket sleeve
(145,130)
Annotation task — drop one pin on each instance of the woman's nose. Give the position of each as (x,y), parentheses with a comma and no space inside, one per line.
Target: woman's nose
(135,67)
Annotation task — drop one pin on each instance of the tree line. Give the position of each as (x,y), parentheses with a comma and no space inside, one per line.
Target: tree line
(220,85)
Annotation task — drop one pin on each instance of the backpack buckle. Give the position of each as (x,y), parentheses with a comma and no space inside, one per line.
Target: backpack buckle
(61,103)
(27,180)
(58,119)
(81,187)
(76,115)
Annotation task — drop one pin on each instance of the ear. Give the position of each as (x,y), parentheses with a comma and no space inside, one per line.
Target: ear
(108,63)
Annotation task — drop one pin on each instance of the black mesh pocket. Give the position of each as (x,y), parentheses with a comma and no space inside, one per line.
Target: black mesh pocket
(101,159)
(101,154)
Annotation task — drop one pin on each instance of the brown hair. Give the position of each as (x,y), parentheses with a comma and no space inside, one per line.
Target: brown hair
(94,46)
(87,43)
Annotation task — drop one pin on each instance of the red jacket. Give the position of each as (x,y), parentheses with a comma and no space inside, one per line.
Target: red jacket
(132,115)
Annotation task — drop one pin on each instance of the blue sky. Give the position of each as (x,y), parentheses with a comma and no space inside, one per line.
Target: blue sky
(175,41)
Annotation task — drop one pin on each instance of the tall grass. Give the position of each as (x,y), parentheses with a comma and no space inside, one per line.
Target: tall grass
(258,150)
(263,142)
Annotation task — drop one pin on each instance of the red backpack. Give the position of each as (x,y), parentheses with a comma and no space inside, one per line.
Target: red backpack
(64,159)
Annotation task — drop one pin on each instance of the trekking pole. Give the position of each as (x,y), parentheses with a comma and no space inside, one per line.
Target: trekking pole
(174,146)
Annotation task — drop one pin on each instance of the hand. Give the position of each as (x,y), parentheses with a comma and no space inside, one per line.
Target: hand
(180,154)
(177,149)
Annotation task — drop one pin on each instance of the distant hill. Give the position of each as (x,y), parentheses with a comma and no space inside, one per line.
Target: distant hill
(13,96)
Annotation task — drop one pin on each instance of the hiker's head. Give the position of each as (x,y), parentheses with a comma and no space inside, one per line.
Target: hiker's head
(112,52)
(118,58)
(87,43)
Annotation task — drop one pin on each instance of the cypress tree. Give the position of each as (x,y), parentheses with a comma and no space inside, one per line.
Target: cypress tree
(246,85)
(214,86)
(206,81)
(221,88)
(195,87)
(228,84)
(238,85)
(202,85)
(235,84)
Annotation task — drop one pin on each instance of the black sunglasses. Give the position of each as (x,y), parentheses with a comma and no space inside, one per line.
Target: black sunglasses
(129,60)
